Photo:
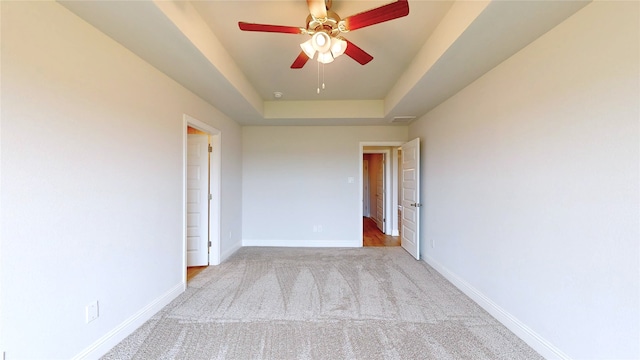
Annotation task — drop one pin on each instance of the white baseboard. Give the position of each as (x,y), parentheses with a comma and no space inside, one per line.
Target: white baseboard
(115,336)
(303,243)
(225,255)
(533,339)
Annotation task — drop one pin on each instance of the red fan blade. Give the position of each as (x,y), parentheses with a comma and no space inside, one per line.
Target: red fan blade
(269,28)
(300,61)
(357,54)
(317,8)
(383,13)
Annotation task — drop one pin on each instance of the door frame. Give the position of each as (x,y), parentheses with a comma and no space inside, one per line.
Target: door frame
(390,178)
(214,188)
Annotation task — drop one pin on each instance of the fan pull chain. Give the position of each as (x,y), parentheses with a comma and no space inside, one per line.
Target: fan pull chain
(322,76)
(318,90)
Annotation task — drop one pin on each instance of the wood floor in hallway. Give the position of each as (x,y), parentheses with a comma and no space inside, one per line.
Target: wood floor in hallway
(372,236)
(193,271)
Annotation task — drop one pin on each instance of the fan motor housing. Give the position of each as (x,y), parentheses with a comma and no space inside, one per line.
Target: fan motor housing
(328,25)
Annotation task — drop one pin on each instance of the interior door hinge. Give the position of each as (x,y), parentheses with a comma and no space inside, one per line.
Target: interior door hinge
(209,243)
(210,148)
(210,196)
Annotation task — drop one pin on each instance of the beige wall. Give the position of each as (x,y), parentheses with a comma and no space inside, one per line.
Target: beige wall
(530,187)
(297,177)
(92,184)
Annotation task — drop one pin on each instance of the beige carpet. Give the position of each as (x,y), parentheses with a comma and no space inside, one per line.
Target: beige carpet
(286,303)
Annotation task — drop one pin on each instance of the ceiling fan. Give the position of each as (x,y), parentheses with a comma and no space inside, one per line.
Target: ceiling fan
(326,28)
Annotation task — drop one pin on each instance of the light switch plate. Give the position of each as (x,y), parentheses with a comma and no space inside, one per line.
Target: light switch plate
(91,311)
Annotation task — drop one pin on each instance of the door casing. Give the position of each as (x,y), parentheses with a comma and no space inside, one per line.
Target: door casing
(214,189)
(391,190)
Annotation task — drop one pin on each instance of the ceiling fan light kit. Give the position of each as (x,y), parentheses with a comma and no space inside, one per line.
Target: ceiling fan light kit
(325,57)
(325,27)
(328,48)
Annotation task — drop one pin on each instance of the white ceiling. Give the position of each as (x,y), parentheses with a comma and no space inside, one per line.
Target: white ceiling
(419,60)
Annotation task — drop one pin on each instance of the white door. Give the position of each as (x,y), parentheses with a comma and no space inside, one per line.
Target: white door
(411,197)
(380,218)
(197,200)
(365,188)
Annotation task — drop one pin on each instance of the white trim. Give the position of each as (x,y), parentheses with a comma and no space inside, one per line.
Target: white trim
(303,243)
(395,164)
(533,339)
(215,176)
(226,254)
(126,328)
(362,146)
(215,179)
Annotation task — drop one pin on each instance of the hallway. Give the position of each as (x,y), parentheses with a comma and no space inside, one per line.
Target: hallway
(372,236)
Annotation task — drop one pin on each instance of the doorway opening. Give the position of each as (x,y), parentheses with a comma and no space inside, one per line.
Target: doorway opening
(401,203)
(201,225)
(379,164)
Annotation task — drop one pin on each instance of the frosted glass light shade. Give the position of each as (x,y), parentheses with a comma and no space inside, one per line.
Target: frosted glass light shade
(328,48)
(325,57)
(308,48)
(338,47)
(321,41)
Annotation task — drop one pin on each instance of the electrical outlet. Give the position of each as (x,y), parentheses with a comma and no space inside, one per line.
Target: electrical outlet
(91,311)
(433,243)
(319,228)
